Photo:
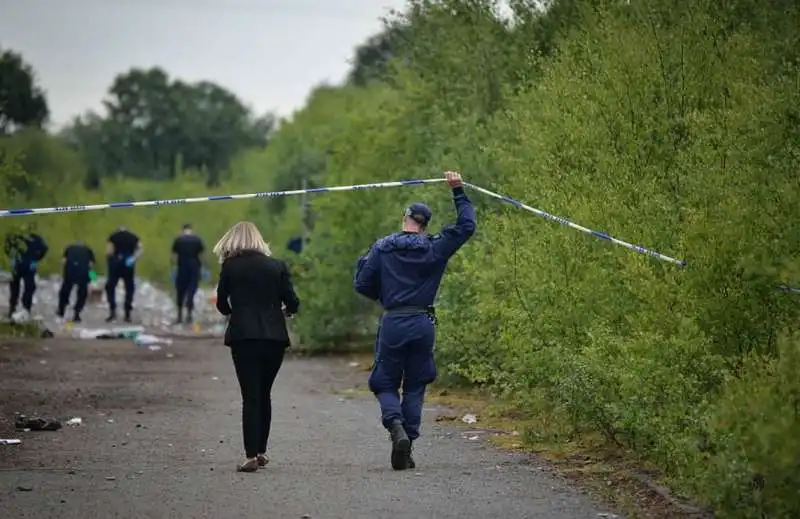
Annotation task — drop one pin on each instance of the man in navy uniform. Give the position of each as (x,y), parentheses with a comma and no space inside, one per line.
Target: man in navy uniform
(402,271)
(26,250)
(186,251)
(123,249)
(78,263)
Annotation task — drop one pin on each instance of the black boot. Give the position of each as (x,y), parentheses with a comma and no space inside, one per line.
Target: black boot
(112,316)
(189,317)
(179,320)
(128,316)
(410,461)
(76,318)
(401,446)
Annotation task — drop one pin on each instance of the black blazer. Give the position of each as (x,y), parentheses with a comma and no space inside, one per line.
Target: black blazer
(256,285)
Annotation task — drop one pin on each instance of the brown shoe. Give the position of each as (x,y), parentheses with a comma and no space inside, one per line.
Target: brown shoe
(262,460)
(250,465)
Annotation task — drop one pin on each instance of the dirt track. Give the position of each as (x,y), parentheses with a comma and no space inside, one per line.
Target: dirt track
(161,436)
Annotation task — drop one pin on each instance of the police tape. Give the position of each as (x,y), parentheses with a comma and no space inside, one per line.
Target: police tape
(564,221)
(273,194)
(214,198)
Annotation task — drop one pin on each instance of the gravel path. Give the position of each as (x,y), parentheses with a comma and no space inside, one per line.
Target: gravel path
(161,436)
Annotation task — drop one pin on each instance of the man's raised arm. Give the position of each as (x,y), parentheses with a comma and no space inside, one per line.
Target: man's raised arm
(453,236)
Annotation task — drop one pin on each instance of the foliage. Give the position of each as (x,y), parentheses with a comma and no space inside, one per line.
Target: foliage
(22,103)
(156,126)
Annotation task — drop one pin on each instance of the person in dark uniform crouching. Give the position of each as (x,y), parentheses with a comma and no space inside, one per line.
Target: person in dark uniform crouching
(122,251)
(186,251)
(26,250)
(402,271)
(78,263)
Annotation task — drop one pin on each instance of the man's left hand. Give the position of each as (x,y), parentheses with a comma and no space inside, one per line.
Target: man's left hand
(453,179)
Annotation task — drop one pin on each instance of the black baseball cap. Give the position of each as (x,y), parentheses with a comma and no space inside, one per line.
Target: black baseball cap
(420,213)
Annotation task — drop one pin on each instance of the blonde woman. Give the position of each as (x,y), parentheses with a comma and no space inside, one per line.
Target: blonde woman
(255,291)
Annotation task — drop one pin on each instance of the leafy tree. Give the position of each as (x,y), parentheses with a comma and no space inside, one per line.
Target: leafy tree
(372,58)
(22,103)
(155,126)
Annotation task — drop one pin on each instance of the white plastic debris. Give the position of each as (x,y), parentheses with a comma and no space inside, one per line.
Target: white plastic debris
(469,418)
(74,422)
(353,364)
(20,316)
(151,340)
(10,441)
(153,307)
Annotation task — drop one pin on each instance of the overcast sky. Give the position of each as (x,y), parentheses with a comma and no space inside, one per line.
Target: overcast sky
(269,52)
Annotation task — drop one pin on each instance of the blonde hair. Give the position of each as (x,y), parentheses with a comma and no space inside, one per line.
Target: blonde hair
(240,237)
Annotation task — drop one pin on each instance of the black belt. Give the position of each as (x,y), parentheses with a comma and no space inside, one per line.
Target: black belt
(430,311)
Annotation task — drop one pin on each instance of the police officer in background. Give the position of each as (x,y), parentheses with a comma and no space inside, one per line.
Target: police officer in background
(123,249)
(26,249)
(186,251)
(78,263)
(402,271)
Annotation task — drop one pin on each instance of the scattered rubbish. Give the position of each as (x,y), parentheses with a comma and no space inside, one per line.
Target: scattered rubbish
(74,422)
(214,378)
(218,329)
(469,418)
(353,364)
(154,347)
(130,332)
(9,441)
(20,316)
(36,423)
(42,362)
(153,307)
(474,437)
(23,488)
(150,340)
(111,478)
(170,355)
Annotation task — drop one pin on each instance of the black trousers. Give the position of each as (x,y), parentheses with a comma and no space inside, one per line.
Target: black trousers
(257,364)
(17,278)
(69,281)
(126,274)
(186,282)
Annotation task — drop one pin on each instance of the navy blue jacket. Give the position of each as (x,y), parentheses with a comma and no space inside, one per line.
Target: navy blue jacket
(25,249)
(405,269)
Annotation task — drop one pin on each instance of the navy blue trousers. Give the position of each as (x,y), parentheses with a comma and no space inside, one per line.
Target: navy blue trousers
(186,283)
(403,359)
(127,275)
(22,275)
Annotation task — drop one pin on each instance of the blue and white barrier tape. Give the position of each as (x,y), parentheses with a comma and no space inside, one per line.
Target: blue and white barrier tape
(214,198)
(182,201)
(564,221)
